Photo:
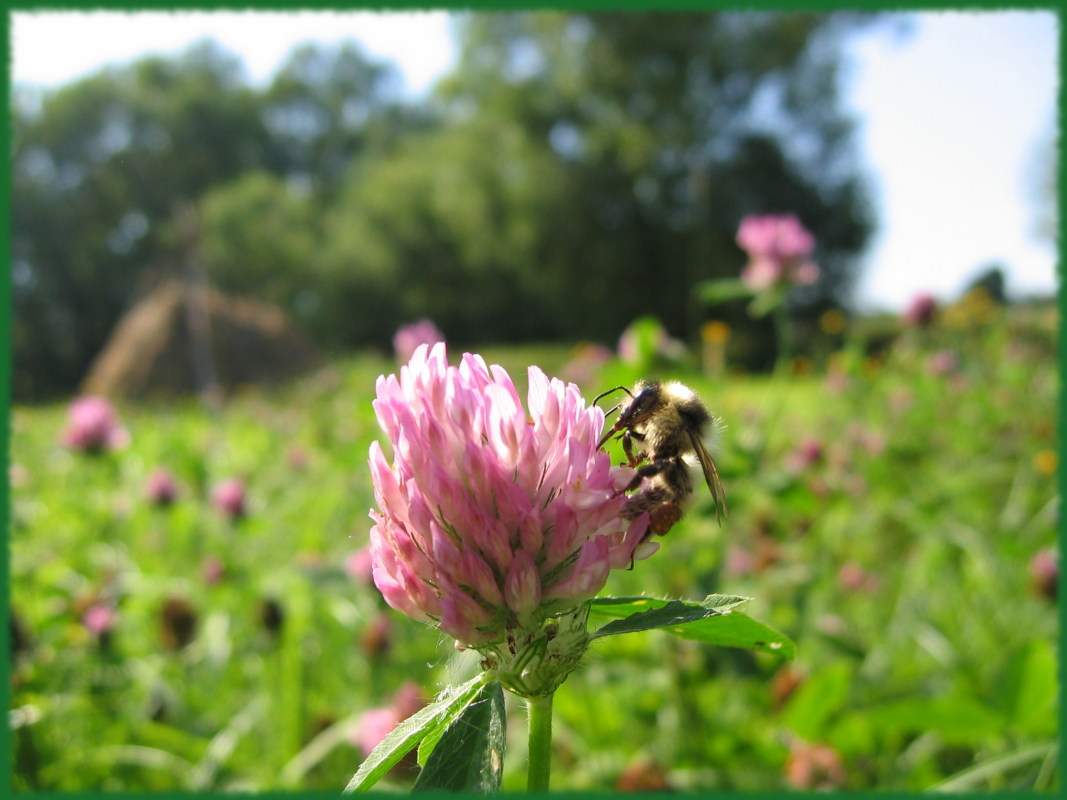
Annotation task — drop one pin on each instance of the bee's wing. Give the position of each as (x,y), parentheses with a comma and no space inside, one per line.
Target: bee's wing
(711,475)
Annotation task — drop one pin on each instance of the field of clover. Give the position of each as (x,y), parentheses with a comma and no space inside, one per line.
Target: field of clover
(192,605)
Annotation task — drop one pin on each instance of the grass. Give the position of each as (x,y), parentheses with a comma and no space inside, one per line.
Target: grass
(882,515)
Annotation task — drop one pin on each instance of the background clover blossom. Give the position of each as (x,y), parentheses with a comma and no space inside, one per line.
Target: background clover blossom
(376,723)
(491,518)
(93,427)
(778,247)
(410,336)
(228,498)
(161,488)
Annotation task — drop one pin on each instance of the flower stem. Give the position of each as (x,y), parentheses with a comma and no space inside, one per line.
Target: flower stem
(540,755)
(783,330)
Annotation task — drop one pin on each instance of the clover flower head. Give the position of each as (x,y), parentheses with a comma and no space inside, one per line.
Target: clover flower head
(358,565)
(814,766)
(377,723)
(1044,572)
(491,518)
(942,362)
(93,427)
(586,361)
(229,498)
(805,455)
(212,570)
(161,489)
(778,248)
(410,336)
(921,311)
(99,618)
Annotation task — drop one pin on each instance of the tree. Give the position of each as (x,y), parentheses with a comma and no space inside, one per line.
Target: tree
(451,226)
(672,127)
(97,173)
(331,104)
(259,237)
(102,166)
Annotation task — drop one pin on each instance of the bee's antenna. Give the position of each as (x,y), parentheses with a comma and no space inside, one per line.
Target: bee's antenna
(614,429)
(602,395)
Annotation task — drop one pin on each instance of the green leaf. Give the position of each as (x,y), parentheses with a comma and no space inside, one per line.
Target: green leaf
(722,290)
(645,609)
(1035,689)
(470,754)
(821,696)
(733,629)
(428,743)
(411,731)
(957,718)
(985,773)
(712,621)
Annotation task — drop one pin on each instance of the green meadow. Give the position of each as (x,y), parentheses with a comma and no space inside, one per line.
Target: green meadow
(892,513)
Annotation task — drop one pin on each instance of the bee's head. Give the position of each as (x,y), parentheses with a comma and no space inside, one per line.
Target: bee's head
(647,397)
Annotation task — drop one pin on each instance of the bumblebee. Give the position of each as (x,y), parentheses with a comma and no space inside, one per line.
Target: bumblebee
(667,421)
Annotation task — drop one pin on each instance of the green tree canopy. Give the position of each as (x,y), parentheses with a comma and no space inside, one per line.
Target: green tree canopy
(101,166)
(575,172)
(673,126)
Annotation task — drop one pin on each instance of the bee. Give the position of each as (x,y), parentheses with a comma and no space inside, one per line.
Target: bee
(667,421)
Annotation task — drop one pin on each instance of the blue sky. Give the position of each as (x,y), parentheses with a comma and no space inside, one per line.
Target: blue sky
(952,117)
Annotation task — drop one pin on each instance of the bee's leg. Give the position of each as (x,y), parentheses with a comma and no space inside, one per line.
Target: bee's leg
(632,458)
(646,500)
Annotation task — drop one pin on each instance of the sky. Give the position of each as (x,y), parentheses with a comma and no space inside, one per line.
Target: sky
(952,117)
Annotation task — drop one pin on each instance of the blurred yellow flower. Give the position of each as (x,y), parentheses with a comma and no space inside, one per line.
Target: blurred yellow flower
(1045,461)
(801,366)
(979,304)
(715,332)
(833,322)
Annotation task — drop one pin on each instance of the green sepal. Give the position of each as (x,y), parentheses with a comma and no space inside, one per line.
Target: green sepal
(411,731)
(469,755)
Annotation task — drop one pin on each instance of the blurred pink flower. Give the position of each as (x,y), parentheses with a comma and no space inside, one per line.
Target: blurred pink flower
(900,400)
(359,566)
(778,248)
(1044,573)
(376,638)
(762,273)
(814,766)
(410,336)
(212,570)
(297,457)
(943,362)
(99,619)
(854,578)
(377,723)
(920,311)
(492,517)
(161,489)
(229,498)
(586,360)
(805,455)
(373,726)
(18,475)
(738,561)
(93,427)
